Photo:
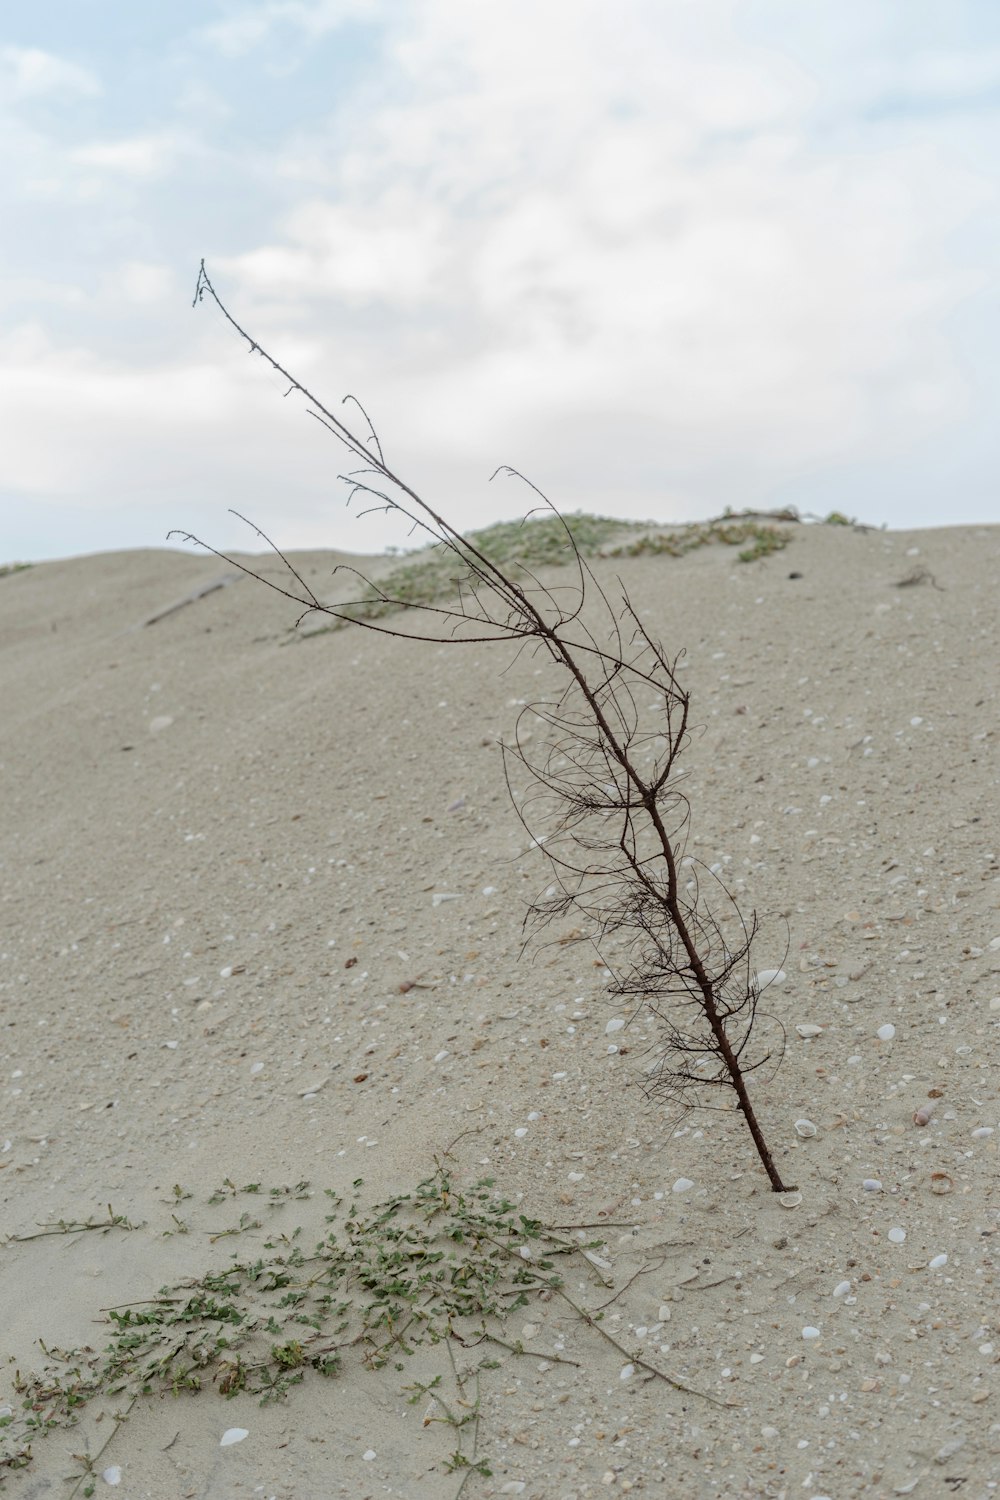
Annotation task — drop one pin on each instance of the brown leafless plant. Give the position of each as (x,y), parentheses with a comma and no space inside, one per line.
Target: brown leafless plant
(603,800)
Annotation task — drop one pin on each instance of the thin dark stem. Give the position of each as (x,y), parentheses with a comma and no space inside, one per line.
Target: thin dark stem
(603,802)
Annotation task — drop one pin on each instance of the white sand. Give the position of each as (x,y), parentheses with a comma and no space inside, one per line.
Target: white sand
(198,796)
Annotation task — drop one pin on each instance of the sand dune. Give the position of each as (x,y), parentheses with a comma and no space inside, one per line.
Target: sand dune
(222,958)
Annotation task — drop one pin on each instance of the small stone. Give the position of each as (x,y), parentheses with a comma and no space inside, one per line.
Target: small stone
(112,1474)
(937,1262)
(440,897)
(982,1132)
(613,1026)
(682,1184)
(770,976)
(368,1455)
(807,1030)
(886,1033)
(842,1288)
(897,1235)
(626,1372)
(809,1332)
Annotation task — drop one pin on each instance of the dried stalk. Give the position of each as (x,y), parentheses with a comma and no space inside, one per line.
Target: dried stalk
(604,803)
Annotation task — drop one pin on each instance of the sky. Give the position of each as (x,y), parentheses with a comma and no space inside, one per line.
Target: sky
(664,258)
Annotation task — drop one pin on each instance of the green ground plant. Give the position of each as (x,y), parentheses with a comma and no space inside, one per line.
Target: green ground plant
(438,1270)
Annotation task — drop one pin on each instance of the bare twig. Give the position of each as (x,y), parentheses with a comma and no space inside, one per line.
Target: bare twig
(601,798)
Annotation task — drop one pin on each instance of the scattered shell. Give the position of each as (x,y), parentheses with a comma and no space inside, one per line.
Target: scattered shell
(439,897)
(805,1128)
(922,1116)
(810,1333)
(626,1372)
(770,976)
(682,1184)
(112,1474)
(886,1033)
(807,1029)
(942,1183)
(368,1455)
(313,1088)
(872,1185)
(790,1200)
(897,1235)
(233,1435)
(613,1026)
(982,1132)
(842,1288)
(521,1132)
(937,1262)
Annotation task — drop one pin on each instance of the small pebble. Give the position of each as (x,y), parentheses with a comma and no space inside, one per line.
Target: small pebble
(872,1185)
(770,976)
(682,1184)
(626,1372)
(982,1132)
(937,1262)
(368,1455)
(807,1030)
(613,1026)
(897,1235)
(233,1435)
(886,1033)
(810,1333)
(112,1474)
(521,1132)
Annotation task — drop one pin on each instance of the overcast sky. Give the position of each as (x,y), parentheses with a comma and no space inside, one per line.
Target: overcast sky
(663,256)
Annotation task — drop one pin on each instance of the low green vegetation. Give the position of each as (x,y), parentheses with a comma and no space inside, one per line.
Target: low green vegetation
(438,1271)
(433,575)
(7,569)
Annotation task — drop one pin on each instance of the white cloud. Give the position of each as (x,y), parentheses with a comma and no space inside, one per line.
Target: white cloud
(639,236)
(251,25)
(149,155)
(29,72)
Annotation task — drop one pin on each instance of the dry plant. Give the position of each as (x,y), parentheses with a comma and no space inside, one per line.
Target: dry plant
(603,800)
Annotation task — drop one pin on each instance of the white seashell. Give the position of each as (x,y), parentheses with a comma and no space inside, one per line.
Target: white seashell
(982,1132)
(922,1116)
(937,1262)
(682,1184)
(807,1029)
(765,977)
(941,1183)
(626,1372)
(613,1026)
(790,1200)
(368,1455)
(521,1132)
(805,1128)
(872,1185)
(112,1474)
(897,1235)
(842,1288)
(811,1333)
(886,1033)
(233,1435)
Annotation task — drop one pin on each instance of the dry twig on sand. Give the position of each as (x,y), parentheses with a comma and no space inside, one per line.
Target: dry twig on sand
(603,800)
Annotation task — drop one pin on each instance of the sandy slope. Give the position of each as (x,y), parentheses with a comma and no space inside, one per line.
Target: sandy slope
(203,824)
